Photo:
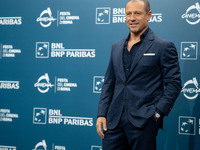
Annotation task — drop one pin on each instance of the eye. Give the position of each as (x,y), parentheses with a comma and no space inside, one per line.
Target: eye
(138,13)
(128,14)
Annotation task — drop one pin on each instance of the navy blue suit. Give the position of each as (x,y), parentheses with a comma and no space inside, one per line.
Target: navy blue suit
(153,82)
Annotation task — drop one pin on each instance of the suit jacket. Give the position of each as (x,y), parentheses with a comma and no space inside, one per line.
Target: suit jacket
(154,82)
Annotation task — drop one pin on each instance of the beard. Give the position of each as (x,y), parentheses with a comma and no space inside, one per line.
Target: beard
(138,31)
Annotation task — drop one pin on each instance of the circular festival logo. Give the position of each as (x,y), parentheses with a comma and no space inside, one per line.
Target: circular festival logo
(43,84)
(41,145)
(190,89)
(192,14)
(46,18)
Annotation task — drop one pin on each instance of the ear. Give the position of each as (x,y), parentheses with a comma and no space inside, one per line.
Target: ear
(149,14)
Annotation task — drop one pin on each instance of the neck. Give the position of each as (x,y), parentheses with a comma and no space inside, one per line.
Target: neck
(136,37)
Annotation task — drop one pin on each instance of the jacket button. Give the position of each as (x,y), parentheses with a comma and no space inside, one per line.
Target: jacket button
(126,84)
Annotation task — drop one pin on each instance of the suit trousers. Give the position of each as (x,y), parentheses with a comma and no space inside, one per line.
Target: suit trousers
(128,137)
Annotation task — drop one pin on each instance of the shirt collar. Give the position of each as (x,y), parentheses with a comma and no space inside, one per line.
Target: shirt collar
(144,34)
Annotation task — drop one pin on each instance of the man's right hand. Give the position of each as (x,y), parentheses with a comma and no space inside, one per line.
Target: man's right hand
(101,121)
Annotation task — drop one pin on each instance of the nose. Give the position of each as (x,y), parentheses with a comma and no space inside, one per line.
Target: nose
(132,17)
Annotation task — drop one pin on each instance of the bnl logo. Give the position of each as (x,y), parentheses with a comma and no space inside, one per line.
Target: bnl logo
(39,115)
(42,50)
(97,84)
(96,147)
(189,50)
(187,125)
(103,15)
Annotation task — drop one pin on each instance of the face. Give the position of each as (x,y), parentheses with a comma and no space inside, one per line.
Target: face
(136,17)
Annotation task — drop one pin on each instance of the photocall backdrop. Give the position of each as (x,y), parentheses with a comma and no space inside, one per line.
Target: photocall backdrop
(53,57)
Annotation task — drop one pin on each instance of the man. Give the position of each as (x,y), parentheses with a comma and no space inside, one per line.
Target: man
(141,85)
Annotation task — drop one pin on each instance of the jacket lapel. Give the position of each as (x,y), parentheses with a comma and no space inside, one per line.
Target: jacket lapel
(120,59)
(146,44)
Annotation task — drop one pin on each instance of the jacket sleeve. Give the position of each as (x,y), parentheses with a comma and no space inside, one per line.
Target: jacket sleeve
(107,89)
(171,78)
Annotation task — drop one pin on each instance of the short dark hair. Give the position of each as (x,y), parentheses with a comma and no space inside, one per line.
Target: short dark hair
(146,3)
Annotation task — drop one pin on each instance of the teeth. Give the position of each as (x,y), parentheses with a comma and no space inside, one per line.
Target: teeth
(134,24)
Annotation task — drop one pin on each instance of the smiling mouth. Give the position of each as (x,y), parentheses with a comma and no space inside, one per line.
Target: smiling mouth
(133,24)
